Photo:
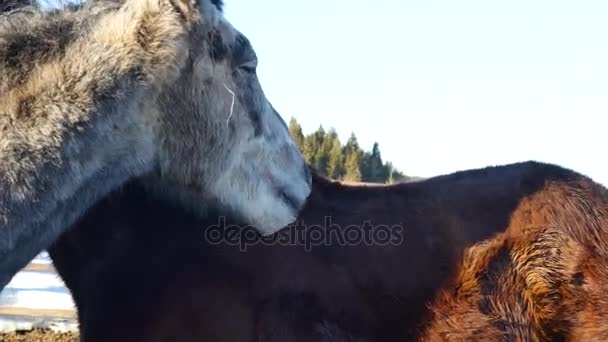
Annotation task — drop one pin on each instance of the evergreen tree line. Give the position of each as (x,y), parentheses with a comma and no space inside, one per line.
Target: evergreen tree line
(346,162)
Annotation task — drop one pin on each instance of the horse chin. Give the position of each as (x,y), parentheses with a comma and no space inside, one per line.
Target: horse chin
(273,223)
(282,212)
(266,199)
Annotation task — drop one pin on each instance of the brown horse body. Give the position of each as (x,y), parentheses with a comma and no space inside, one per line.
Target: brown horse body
(141,270)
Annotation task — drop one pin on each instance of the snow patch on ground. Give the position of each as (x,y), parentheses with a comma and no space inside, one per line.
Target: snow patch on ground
(36,290)
(42,258)
(27,323)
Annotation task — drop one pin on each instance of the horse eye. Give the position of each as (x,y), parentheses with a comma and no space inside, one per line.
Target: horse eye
(249,66)
(244,56)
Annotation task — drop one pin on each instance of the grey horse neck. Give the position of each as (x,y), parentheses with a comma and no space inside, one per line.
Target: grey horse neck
(68,89)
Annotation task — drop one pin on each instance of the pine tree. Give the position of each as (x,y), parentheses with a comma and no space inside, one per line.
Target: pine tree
(322,152)
(398,176)
(296,132)
(366,173)
(352,167)
(352,145)
(325,152)
(376,167)
(335,164)
(310,150)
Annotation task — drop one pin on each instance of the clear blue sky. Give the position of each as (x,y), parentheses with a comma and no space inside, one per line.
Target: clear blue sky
(441,85)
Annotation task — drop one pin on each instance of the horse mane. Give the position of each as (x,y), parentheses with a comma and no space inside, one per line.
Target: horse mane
(11,5)
(7,6)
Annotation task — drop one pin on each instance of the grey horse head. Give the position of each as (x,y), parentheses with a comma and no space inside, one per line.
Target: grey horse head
(243,156)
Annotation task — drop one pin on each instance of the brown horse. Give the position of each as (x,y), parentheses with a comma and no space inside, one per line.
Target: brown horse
(361,263)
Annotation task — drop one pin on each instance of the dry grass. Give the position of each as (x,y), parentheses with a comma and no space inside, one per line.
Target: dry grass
(48,268)
(39,335)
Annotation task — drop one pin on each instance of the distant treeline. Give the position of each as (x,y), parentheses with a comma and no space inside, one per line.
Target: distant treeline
(347,162)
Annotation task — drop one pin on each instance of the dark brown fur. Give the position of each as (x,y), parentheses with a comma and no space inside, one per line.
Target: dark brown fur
(141,270)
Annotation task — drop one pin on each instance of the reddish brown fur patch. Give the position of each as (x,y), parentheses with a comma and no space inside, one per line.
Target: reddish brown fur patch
(544,279)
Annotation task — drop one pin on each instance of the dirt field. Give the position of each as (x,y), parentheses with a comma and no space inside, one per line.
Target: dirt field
(39,335)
